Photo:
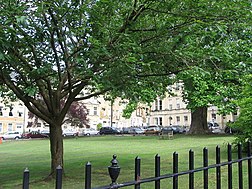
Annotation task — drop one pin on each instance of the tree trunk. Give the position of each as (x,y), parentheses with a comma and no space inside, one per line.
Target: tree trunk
(199,121)
(56,147)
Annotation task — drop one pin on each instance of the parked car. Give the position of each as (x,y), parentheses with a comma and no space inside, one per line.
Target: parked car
(125,130)
(90,131)
(212,124)
(232,130)
(45,132)
(167,129)
(11,135)
(178,129)
(66,133)
(109,130)
(136,130)
(214,127)
(34,134)
(152,130)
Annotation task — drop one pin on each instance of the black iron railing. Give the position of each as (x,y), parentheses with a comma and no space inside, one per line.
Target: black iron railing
(114,171)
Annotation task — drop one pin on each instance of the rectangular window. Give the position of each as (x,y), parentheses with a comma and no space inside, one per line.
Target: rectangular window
(10,113)
(160,104)
(19,126)
(177,103)
(156,104)
(186,118)
(95,110)
(1,111)
(213,116)
(138,112)
(160,121)
(10,127)
(147,111)
(178,119)
(178,106)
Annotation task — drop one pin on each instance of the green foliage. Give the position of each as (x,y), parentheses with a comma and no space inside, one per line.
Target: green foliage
(129,109)
(244,121)
(222,54)
(50,51)
(99,126)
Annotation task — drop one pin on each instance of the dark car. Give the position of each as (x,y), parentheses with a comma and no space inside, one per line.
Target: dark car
(34,134)
(109,131)
(177,129)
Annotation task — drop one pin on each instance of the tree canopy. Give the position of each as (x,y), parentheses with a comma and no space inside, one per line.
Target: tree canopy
(54,51)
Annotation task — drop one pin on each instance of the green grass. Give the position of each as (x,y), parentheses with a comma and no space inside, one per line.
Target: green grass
(15,156)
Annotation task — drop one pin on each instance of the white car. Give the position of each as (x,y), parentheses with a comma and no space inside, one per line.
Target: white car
(11,135)
(69,133)
(90,131)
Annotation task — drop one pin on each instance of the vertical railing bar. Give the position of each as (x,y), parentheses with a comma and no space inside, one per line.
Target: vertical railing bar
(58,177)
(88,175)
(191,167)
(218,168)
(26,178)
(157,171)
(230,172)
(137,171)
(205,164)
(240,166)
(249,166)
(175,170)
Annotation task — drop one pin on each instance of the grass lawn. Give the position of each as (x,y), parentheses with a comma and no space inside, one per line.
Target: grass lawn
(15,156)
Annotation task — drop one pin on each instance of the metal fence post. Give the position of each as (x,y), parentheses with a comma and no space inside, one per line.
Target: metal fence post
(230,172)
(175,170)
(26,176)
(205,164)
(240,166)
(157,171)
(59,177)
(191,167)
(137,171)
(218,168)
(88,176)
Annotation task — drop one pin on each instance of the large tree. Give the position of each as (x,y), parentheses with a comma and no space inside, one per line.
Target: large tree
(54,51)
(223,56)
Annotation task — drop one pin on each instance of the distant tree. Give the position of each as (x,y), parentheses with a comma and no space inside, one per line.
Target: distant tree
(76,116)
